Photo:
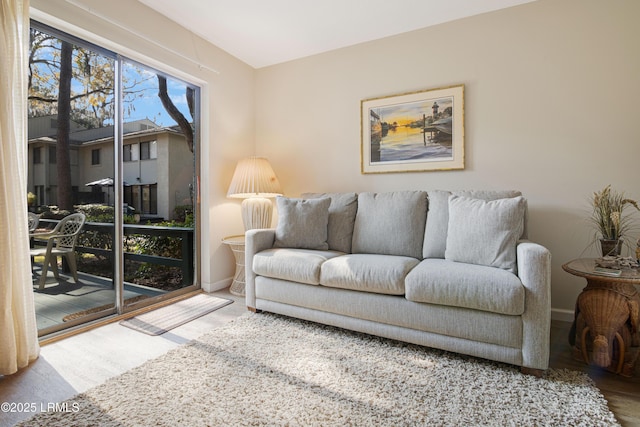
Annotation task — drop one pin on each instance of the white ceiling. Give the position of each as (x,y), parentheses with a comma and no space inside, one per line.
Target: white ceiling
(267,32)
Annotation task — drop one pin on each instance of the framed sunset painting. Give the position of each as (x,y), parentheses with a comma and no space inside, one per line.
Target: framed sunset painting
(413,132)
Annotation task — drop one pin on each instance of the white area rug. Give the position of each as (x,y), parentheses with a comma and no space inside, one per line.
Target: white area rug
(161,320)
(267,370)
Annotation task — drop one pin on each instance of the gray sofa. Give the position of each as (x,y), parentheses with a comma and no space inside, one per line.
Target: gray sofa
(449,270)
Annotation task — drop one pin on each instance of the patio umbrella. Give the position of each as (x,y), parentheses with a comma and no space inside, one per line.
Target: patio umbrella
(104,182)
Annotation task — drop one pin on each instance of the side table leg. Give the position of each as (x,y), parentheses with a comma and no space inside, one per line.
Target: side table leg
(238,284)
(621,355)
(583,345)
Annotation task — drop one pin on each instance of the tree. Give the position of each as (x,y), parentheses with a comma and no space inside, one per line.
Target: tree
(73,83)
(77,84)
(173,111)
(63,166)
(41,93)
(91,93)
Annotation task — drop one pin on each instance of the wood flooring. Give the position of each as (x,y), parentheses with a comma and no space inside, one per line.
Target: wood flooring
(622,393)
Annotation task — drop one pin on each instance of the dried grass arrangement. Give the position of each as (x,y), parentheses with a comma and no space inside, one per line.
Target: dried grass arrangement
(608,213)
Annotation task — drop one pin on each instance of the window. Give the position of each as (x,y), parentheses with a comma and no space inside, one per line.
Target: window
(128,196)
(153,198)
(39,192)
(149,198)
(148,150)
(52,155)
(95,156)
(126,153)
(37,155)
(130,153)
(73,157)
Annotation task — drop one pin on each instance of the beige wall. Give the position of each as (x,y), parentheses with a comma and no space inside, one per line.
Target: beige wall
(551,108)
(227,107)
(551,91)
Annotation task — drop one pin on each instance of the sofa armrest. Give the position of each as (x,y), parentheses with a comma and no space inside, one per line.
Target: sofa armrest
(534,270)
(255,241)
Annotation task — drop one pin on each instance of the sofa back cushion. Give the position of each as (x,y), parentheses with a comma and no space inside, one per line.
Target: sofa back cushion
(390,223)
(342,215)
(435,235)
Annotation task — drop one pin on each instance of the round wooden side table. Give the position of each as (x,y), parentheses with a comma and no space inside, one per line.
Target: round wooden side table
(236,243)
(605,327)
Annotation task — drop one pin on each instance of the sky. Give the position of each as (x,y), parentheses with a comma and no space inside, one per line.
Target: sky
(148,105)
(406,113)
(95,70)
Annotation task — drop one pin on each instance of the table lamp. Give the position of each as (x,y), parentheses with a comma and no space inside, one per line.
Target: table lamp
(254,181)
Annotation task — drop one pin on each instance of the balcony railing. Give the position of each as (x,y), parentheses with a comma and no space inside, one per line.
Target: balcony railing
(185,263)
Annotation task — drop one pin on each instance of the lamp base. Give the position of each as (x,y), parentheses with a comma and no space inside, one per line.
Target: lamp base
(256,213)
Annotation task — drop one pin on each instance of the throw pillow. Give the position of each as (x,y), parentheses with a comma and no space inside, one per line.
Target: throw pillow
(342,215)
(435,235)
(302,223)
(485,232)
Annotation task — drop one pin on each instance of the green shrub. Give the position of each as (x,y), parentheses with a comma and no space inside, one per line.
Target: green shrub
(52,212)
(96,212)
(170,247)
(182,212)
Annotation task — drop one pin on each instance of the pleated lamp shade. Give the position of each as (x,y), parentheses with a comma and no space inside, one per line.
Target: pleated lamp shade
(254,180)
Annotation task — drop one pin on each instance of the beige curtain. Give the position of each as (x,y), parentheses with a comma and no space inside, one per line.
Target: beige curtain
(18,329)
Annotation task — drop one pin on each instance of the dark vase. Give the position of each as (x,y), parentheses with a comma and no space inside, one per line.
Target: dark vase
(611,247)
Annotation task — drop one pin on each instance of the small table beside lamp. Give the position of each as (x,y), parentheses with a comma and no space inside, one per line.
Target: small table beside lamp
(254,181)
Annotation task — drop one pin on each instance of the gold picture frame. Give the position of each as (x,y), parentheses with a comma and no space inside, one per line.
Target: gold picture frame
(413,132)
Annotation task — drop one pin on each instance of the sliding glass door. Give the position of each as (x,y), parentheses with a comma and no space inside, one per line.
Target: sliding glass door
(158,186)
(116,141)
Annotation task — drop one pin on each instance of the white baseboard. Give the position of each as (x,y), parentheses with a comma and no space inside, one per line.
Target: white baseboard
(217,286)
(562,315)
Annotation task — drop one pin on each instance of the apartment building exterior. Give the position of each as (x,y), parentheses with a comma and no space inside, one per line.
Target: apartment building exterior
(157,166)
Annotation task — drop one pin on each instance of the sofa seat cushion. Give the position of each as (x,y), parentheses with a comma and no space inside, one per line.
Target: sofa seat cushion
(297,265)
(438,281)
(382,274)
